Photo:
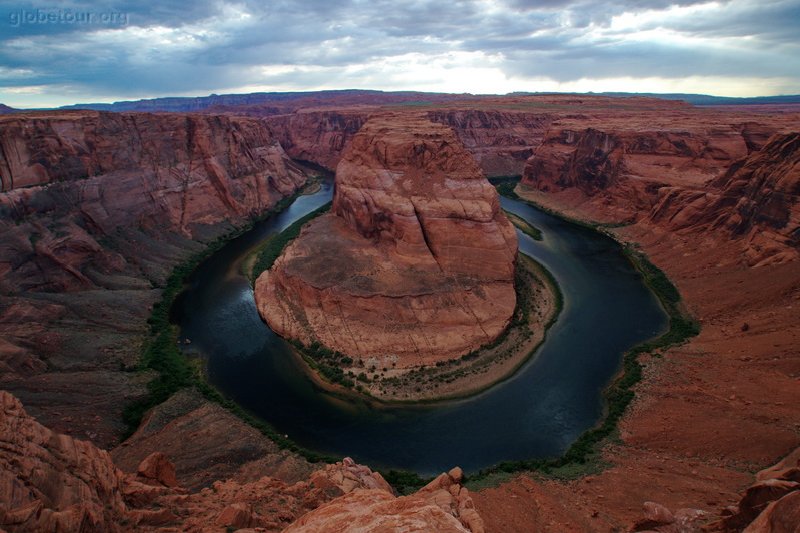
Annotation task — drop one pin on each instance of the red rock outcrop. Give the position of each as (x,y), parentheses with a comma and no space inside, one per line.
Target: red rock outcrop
(443,506)
(51,482)
(772,503)
(757,199)
(415,263)
(97,208)
(781,516)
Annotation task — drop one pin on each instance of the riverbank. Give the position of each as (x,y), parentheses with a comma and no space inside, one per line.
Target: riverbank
(539,302)
(310,407)
(584,455)
(174,371)
(700,421)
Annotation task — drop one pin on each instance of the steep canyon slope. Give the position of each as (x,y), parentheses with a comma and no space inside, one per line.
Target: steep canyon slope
(53,482)
(96,209)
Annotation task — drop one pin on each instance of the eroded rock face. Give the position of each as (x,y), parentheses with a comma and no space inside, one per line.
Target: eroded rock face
(51,482)
(415,262)
(96,210)
(317,136)
(757,199)
(94,176)
(443,506)
(627,168)
(500,141)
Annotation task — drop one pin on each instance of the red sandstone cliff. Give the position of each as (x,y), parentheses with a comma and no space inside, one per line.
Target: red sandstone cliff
(317,136)
(414,264)
(95,211)
(500,140)
(757,199)
(730,180)
(91,175)
(626,168)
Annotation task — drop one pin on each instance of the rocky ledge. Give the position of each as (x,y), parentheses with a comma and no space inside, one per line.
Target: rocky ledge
(52,482)
(413,265)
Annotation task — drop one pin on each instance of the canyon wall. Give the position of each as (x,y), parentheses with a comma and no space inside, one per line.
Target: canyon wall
(95,211)
(756,200)
(719,215)
(734,179)
(628,167)
(317,136)
(415,262)
(499,140)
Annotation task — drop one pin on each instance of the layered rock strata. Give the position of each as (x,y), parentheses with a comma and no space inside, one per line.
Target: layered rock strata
(757,200)
(53,482)
(95,211)
(415,262)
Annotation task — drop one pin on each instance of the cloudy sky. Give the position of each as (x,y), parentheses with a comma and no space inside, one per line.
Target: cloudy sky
(102,51)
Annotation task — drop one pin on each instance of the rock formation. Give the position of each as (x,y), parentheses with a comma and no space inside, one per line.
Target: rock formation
(627,168)
(317,136)
(415,262)
(97,208)
(499,140)
(733,181)
(51,482)
(442,506)
(94,175)
(757,199)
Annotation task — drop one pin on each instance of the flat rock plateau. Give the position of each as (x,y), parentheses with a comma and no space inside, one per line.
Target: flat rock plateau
(97,208)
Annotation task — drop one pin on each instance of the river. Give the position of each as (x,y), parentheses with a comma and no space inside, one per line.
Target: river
(536,413)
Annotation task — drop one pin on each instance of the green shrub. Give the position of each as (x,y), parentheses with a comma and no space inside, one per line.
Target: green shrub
(276,244)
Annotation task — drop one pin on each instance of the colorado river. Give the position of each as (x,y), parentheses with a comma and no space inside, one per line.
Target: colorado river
(536,413)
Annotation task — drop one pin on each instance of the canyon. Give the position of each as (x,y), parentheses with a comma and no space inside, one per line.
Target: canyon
(98,207)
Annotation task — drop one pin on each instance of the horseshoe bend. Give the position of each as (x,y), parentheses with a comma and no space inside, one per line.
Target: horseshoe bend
(413,266)
(115,414)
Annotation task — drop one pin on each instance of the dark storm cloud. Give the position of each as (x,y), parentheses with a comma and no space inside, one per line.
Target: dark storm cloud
(173,47)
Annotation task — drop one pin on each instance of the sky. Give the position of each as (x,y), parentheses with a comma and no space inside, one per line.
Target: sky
(104,51)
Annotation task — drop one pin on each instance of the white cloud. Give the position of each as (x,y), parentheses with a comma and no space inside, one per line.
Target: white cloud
(727,47)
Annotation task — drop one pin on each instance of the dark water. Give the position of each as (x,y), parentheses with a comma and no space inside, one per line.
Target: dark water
(539,412)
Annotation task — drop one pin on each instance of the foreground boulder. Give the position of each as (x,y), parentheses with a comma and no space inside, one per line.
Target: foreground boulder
(51,482)
(413,265)
(772,503)
(443,506)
